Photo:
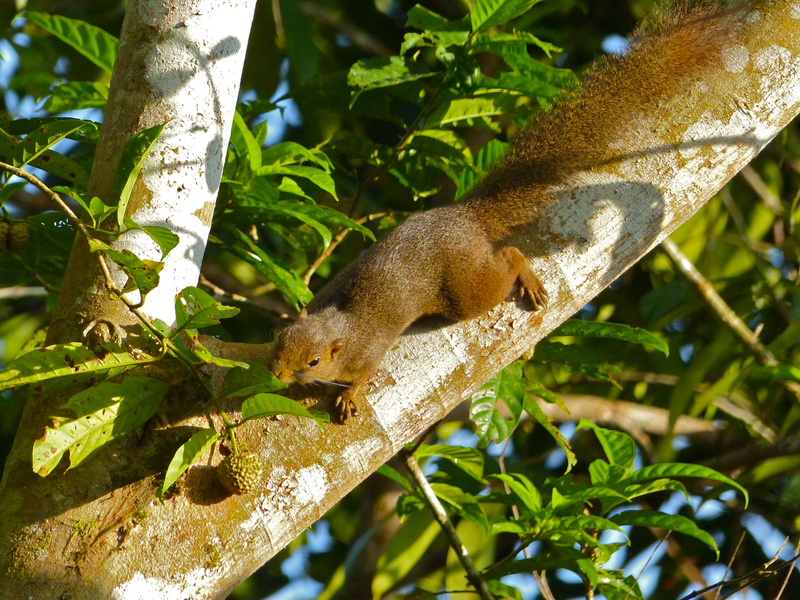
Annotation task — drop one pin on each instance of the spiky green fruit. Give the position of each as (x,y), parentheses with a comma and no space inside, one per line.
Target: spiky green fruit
(5,227)
(18,236)
(240,474)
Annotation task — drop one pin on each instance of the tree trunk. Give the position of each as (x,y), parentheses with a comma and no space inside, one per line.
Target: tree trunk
(98,532)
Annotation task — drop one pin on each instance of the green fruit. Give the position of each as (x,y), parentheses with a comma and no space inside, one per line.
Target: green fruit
(240,474)
(18,236)
(5,226)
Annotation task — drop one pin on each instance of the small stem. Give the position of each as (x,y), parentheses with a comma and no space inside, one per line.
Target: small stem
(473,575)
(229,426)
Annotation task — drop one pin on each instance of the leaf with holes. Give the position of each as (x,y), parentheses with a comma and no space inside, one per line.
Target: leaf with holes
(103,413)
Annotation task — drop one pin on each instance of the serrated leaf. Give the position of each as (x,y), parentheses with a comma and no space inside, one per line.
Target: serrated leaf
(469,460)
(194,309)
(95,44)
(65,366)
(486,14)
(610,331)
(508,387)
(104,413)
(652,518)
(131,165)
(185,456)
(262,406)
(77,95)
(245,382)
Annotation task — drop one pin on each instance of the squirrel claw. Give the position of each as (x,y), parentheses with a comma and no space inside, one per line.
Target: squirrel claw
(345,408)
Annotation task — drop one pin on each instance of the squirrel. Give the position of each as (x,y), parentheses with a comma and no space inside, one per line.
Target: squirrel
(455,261)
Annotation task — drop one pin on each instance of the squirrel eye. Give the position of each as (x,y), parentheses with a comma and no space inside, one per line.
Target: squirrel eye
(314,362)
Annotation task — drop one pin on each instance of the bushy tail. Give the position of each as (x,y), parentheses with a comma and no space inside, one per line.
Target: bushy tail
(584,128)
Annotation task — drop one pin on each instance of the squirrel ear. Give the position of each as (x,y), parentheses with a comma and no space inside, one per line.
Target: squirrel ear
(335,346)
(303,315)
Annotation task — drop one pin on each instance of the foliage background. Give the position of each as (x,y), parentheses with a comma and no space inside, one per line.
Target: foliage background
(744,242)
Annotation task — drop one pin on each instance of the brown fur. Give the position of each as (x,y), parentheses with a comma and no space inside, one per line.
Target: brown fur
(454,261)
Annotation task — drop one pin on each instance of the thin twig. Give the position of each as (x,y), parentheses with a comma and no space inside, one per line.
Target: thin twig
(789,572)
(541,580)
(336,241)
(730,563)
(725,313)
(473,575)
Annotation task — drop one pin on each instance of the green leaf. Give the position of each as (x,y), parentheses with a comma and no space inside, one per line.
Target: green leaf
(322,179)
(262,406)
(49,161)
(165,238)
(580,358)
(41,139)
(66,365)
(95,44)
(286,281)
(131,165)
(508,387)
(244,143)
(683,470)
(104,413)
(393,475)
(404,551)
(523,488)
(265,213)
(194,309)
(490,13)
(652,518)
(143,274)
(619,447)
(463,503)
(287,153)
(484,160)
(441,31)
(371,73)
(613,331)
(245,382)
(457,111)
(469,460)
(532,407)
(77,95)
(185,456)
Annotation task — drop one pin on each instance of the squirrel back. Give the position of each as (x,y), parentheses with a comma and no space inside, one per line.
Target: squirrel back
(455,261)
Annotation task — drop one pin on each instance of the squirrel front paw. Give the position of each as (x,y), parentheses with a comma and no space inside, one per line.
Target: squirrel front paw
(346,406)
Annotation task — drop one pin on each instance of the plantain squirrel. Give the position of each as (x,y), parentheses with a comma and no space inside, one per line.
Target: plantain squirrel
(455,261)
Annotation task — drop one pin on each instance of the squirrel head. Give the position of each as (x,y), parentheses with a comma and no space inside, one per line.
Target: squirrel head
(307,351)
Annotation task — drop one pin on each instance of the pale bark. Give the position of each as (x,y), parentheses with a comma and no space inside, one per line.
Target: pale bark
(201,544)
